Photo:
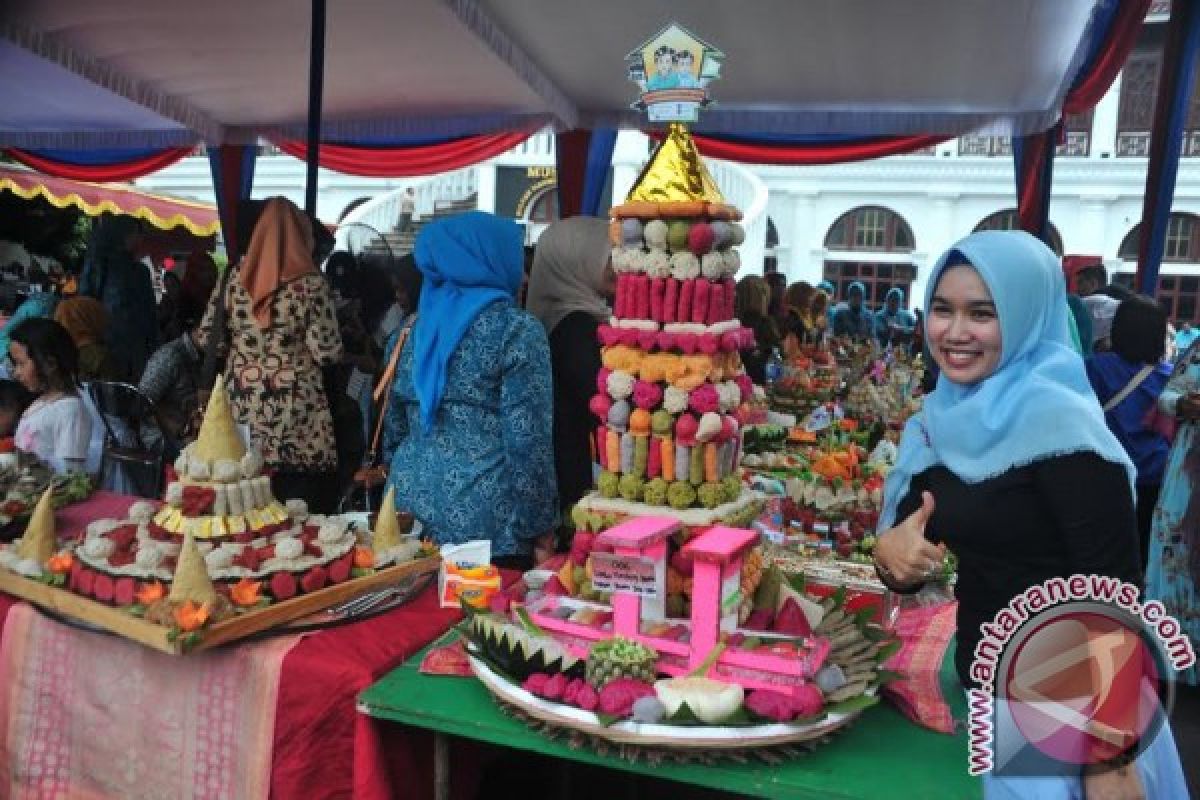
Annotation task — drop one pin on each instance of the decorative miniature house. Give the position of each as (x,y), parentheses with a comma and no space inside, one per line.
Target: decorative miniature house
(636,573)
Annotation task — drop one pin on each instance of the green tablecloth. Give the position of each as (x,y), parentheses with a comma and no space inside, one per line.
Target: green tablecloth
(882,755)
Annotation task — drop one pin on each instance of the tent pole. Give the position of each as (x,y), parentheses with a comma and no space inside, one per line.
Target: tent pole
(316,81)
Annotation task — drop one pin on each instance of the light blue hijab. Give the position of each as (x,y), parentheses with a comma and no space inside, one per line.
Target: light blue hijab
(469,261)
(1037,404)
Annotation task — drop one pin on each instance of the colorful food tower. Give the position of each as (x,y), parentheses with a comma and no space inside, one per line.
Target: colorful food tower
(667,436)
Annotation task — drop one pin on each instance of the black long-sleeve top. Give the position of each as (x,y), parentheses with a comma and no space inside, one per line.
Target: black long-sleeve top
(575,360)
(1065,515)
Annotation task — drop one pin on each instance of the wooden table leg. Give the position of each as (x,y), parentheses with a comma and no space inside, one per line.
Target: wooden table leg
(441,766)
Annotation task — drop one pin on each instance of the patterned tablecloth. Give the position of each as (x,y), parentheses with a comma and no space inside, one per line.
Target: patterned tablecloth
(89,715)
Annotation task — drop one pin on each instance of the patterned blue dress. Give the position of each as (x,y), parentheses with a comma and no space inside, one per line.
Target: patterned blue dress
(486,470)
(1175,537)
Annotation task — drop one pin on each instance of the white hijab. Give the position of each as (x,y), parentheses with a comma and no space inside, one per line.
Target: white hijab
(568,271)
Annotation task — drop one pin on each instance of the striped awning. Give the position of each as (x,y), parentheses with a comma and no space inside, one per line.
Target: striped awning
(116,198)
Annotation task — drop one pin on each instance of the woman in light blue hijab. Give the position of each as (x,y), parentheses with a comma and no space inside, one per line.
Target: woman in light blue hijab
(1010,466)
(469,424)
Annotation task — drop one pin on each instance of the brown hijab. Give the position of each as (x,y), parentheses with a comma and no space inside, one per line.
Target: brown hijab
(280,251)
(85,318)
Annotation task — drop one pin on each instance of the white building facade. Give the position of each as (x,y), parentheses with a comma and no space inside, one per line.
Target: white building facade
(883,222)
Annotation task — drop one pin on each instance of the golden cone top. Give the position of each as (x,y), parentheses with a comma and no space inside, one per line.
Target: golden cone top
(387,525)
(219,439)
(191,581)
(675,173)
(39,542)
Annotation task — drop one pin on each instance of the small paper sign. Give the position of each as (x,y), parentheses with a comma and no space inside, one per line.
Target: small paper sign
(615,573)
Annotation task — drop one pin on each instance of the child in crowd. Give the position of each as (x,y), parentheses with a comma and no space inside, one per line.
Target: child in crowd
(13,402)
(56,427)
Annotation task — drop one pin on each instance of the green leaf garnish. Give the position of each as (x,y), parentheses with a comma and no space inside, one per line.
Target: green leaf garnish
(863,701)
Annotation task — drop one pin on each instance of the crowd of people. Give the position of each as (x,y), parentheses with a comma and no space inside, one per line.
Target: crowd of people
(465,372)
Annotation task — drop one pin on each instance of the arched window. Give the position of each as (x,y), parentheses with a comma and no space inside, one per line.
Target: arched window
(870,228)
(1178,294)
(544,209)
(1182,243)
(1007,221)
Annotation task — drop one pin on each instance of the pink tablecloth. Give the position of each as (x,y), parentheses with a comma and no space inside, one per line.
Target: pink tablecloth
(320,747)
(99,716)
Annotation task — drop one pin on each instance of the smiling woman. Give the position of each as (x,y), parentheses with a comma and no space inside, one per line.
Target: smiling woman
(963,330)
(1010,465)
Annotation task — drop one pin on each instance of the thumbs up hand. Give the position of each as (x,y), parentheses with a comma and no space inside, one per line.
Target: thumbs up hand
(904,556)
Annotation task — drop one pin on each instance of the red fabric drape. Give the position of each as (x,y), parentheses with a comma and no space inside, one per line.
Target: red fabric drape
(101,173)
(571,151)
(1092,86)
(408,161)
(1035,172)
(802,154)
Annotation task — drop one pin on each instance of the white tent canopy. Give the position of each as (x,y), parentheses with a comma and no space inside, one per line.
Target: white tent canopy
(81,73)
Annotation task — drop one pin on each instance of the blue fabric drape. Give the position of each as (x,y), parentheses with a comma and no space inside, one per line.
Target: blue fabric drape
(1166,139)
(599,159)
(1033,161)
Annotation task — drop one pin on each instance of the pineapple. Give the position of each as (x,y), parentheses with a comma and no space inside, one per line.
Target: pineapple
(620,658)
(752,573)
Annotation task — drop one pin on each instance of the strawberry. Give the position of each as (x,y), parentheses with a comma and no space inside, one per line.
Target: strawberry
(123,536)
(314,579)
(102,590)
(283,586)
(121,558)
(197,500)
(73,576)
(123,591)
(340,570)
(265,553)
(14,508)
(86,582)
(249,559)
(313,549)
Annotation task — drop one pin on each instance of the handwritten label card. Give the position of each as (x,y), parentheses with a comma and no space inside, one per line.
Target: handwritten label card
(614,573)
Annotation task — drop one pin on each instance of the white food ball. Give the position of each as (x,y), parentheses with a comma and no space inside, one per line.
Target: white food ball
(289,548)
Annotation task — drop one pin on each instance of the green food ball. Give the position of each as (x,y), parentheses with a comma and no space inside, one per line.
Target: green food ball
(681,495)
(711,494)
(655,492)
(631,487)
(579,516)
(641,451)
(733,487)
(661,422)
(696,466)
(608,484)
(677,235)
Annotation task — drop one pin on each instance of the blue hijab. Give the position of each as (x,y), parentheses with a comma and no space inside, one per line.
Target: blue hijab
(1038,402)
(469,262)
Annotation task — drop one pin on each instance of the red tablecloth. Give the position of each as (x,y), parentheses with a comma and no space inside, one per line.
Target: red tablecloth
(323,748)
